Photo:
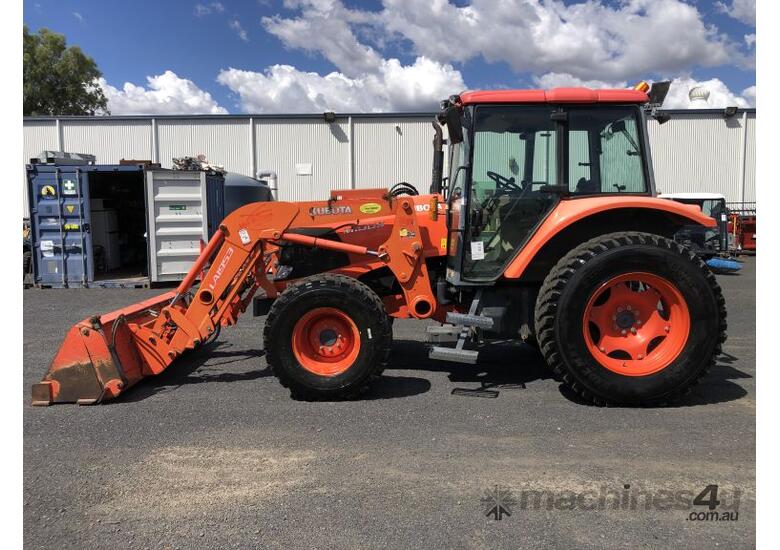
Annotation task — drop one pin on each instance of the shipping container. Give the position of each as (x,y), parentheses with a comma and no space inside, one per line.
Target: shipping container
(88,225)
(118,225)
(184,208)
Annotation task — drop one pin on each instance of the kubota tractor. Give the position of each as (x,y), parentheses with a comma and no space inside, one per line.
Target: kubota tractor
(546,228)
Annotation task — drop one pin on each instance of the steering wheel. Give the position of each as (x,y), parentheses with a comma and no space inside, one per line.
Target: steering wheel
(503,183)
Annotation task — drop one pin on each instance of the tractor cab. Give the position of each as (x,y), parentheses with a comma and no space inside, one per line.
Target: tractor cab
(514,155)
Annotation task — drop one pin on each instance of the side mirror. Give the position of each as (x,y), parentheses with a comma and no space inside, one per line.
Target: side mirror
(618,126)
(451,117)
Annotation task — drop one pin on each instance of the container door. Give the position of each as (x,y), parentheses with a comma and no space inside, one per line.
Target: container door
(216,202)
(62,243)
(177,221)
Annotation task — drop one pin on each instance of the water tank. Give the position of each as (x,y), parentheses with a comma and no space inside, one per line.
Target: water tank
(241,190)
(699,96)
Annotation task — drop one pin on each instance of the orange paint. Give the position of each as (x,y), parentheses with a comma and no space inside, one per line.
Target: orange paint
(570,211)
(326,341)
(624,329)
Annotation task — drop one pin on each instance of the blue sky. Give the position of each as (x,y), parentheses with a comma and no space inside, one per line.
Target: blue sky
(484,44)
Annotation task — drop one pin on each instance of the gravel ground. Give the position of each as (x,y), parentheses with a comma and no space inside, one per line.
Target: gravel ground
(214,453)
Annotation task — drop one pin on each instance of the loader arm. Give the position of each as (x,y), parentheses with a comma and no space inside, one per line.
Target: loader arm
(104,355)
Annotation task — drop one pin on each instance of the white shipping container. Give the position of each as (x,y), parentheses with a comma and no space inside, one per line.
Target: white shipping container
(183,209)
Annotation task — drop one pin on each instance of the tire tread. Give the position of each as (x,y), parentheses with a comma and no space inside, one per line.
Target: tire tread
(561,273)
(356,289)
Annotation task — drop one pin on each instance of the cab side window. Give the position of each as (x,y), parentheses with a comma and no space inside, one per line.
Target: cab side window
(605,152)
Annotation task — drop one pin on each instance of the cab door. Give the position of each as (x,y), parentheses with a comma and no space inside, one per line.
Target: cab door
(514,155)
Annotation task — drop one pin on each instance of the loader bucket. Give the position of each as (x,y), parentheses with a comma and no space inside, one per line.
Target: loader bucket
(101,357)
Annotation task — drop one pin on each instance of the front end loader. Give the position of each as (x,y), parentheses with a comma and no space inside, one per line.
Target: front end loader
(545,229)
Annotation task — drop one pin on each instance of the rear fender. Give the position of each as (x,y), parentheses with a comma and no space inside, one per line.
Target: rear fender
(571,213)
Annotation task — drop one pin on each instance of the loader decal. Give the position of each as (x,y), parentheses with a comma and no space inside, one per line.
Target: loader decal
(370,208)
(221,267)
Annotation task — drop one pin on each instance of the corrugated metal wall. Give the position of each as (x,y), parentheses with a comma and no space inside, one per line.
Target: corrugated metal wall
(691,152)
(750,161)
(109,141)
(388,151)
(704,153)
(223,142)
(309,156)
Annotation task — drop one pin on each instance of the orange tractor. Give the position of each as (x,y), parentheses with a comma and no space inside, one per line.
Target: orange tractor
(545,229)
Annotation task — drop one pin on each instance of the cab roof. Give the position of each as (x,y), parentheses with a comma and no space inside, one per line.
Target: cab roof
(555,95)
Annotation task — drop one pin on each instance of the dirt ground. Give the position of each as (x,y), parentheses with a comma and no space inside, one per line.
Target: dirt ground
(214,453)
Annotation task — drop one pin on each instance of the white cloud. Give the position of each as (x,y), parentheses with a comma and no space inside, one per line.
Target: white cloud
(325,27)
(590,40)
(76,14)
(720,95)
(167,94)
(592,43)
(750,40)
(742,10)
(393,87)
(749,94)
(235,24)
(208,9)
(563,80)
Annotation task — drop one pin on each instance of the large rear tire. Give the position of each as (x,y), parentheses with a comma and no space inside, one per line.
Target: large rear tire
(327,337)
(630,318)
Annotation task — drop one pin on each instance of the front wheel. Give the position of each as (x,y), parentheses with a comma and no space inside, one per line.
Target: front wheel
(630,318)
(327,337)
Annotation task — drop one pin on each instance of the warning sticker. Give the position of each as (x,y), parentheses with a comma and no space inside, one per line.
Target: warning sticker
(177,207)
(48,191)
(68,187)
(70,208)
(244,236)
(370,208)
(477,250)
(71,227)
(443,244)
(47,249)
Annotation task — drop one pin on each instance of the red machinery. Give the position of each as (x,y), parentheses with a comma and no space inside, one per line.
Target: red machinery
(582,263)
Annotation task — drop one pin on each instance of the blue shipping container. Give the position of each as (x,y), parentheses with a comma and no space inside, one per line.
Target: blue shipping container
(60,221)
(67,251)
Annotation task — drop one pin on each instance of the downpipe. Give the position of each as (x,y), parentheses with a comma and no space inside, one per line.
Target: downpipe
(273,183)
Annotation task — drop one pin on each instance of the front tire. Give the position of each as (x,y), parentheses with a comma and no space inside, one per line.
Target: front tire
(327,337)
(630,318)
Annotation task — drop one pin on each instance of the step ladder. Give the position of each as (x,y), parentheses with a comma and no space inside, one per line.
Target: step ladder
(459,329)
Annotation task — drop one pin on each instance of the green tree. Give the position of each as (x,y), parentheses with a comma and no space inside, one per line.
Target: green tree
(59,79)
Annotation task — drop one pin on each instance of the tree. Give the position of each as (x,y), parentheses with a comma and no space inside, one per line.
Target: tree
(59,80)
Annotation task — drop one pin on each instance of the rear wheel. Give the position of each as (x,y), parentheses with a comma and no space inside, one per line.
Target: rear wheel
(327,337)
(630,318)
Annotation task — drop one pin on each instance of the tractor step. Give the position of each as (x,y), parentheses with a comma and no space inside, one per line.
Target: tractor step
(443,334)
(457,355)
(469,320)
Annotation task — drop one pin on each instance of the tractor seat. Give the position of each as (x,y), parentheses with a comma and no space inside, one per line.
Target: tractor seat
(587,186)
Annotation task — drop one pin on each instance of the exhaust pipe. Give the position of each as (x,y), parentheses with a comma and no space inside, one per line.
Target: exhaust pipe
(438,159)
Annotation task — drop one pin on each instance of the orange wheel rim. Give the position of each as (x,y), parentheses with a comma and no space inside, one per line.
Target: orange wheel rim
(326,341)
(636,324)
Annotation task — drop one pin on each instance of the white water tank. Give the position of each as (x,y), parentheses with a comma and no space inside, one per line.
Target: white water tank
(699,97)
